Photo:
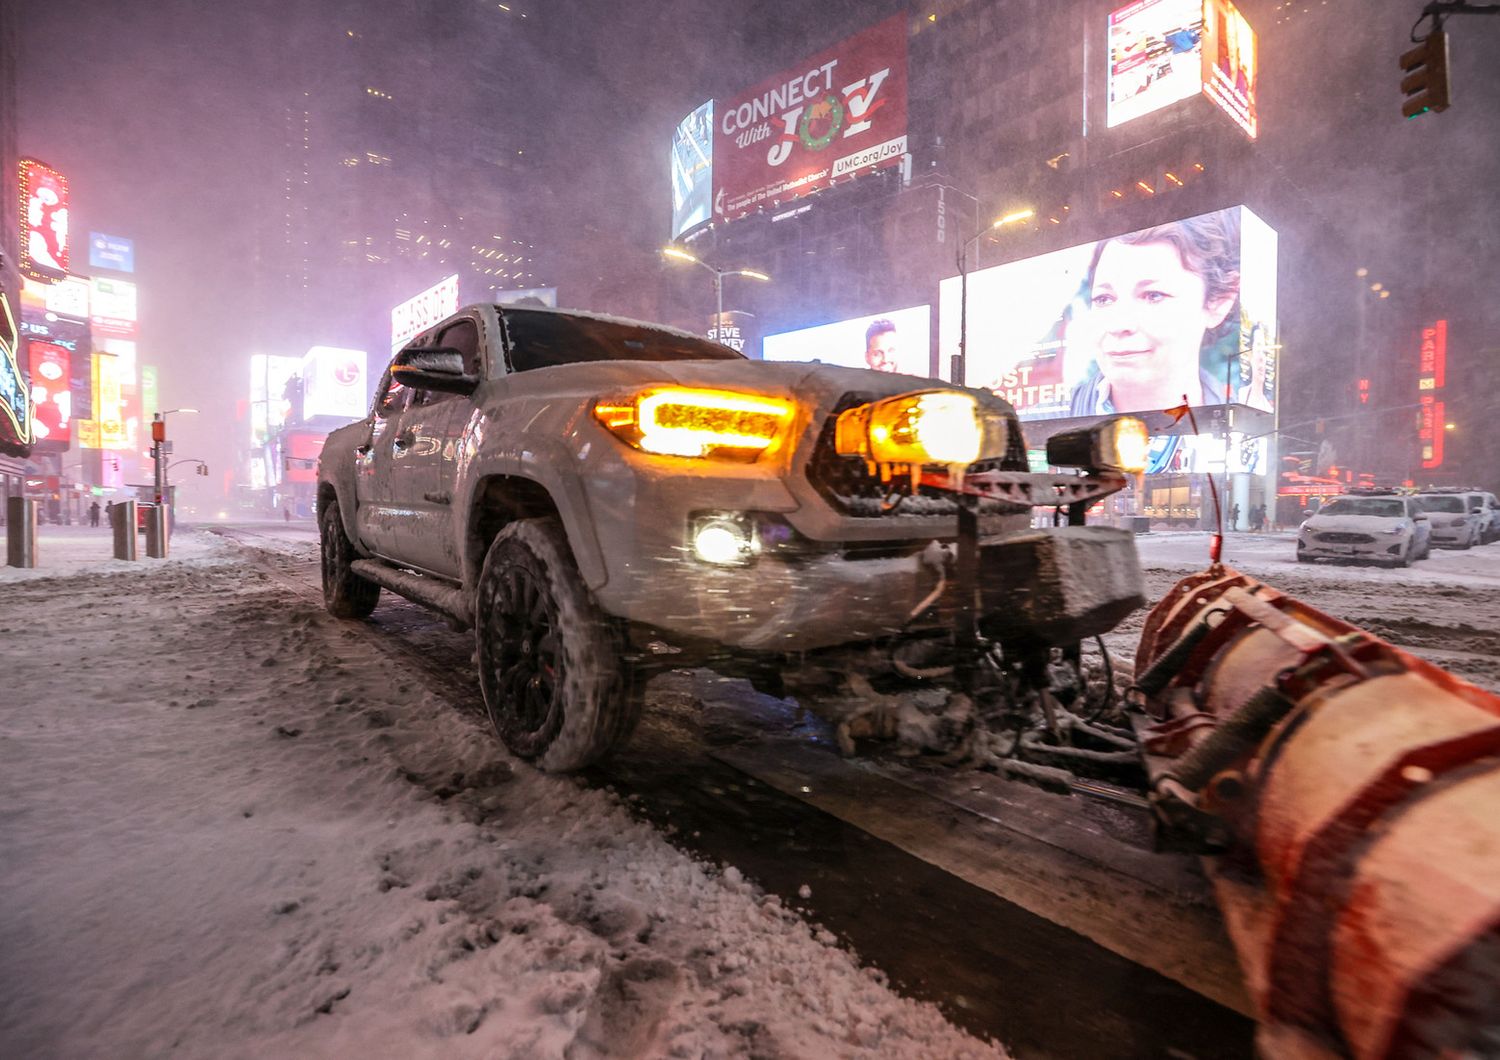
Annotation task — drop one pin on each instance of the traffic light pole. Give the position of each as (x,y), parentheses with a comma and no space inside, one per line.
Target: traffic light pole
(159,468)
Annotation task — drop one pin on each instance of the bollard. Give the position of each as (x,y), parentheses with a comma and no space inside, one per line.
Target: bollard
(122,520)
(156,532)
(20,536)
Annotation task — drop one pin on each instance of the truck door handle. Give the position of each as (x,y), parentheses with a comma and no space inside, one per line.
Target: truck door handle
(404,440)
(362,450)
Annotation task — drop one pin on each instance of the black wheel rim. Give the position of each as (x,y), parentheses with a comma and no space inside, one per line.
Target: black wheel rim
(526,670)
(330,552)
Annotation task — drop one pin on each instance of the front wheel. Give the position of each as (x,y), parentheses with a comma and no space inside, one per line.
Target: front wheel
(550,666)
(345,594)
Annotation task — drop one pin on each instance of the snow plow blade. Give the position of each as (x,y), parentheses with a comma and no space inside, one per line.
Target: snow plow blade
(1346,796)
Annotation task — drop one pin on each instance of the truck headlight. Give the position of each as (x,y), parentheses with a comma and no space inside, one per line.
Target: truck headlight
(690,421)
(923,427)
(724,539)
(1120,444)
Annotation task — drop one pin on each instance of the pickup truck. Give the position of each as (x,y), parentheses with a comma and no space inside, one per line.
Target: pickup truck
(602,499)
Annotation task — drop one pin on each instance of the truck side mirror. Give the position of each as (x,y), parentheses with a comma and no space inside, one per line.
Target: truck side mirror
(434,368)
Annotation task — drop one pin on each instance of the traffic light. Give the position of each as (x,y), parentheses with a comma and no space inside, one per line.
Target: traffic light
(1426,82)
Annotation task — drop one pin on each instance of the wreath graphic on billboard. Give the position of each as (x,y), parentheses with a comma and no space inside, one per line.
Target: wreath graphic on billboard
(821,122)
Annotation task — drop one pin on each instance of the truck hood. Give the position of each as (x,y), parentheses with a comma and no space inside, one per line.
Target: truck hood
(1362,524)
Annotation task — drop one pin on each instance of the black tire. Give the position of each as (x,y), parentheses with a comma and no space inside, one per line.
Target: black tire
(1303,559)
(345,594)
(550,666)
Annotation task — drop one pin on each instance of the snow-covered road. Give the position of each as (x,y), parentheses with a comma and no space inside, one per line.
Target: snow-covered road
(233,827)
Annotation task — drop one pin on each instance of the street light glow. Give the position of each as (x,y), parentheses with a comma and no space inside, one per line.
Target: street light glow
(679,254)
(752,274)
(1019,215)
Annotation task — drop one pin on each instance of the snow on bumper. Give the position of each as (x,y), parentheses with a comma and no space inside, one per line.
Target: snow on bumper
(1348,545)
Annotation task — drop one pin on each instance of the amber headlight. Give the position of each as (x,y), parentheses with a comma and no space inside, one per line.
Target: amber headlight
(923,427)
(688,421)
(1120,444)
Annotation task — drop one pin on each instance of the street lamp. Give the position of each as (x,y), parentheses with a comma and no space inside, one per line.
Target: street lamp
(961,363)
(678,254)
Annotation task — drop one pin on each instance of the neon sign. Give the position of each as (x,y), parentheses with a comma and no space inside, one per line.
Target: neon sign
(44,222)
(1432,368)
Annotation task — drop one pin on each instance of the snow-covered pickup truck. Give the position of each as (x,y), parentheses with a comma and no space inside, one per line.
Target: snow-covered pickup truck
(601,499)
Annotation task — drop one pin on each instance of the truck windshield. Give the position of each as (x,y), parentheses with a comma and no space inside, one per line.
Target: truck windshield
(541,340)
(1384,507)
(1441,504)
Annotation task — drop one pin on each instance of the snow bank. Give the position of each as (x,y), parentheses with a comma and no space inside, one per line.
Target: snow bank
(65,551)
(233,827)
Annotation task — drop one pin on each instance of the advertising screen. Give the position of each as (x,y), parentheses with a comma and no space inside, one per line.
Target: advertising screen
(1432,371)
(44,222)
(299,456)
(109,401)
(528,296)
(898,340)
(51,399)
(333,383)
(835,116)
(268,402)
(69,297)
(1229,63)
(112,306)
(1128,324)
(150,392)
(416,314)
(111,252)
(1154,56)
(693,169)
(1204,454)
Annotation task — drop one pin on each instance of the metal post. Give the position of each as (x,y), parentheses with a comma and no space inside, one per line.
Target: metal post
(156,533)
(122,519)
(719,301)
(20,532)
(961,365)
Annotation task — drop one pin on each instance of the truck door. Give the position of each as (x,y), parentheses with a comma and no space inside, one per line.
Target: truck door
(378,507)
(436,422)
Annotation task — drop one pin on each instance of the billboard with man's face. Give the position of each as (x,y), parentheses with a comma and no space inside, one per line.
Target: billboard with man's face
(835,116)
(894,341)
(1130,324)
(693,169)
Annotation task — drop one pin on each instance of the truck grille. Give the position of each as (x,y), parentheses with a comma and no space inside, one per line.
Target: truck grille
(1338,537)
(847,484)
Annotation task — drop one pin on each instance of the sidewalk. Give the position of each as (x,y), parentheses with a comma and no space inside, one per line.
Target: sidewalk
(64,551)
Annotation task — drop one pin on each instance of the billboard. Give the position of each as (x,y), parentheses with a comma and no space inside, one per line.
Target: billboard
(528,296)
(150,392)
(333,383)
(693,169)
(299,456)
(268,402)
(1432,372)
(112,306)
(898,340)
(839,114)
(44,222)
(51,399)
(111,252)
(417,314)
(1164,51)
(1130,323)
(68,297)
(1204,454)
(109,401)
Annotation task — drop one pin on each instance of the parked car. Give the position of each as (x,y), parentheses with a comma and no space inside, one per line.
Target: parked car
(1484,505)
(1385,528)
(1455,522)
(601,499)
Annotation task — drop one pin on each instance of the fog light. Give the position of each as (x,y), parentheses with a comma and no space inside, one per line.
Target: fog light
(725,542)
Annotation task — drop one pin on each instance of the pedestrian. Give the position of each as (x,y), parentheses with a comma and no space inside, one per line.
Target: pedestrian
(109,512)
(1258,518)
(94,514)
(286,513)
(1234,516)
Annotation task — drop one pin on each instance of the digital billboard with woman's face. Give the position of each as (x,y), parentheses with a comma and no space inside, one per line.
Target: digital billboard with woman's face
(1131,323)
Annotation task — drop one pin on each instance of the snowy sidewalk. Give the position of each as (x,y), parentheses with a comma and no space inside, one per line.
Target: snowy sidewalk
(220,839)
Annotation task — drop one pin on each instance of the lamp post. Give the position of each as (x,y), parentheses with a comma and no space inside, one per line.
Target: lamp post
(159,468)
(961,362)
(678,254)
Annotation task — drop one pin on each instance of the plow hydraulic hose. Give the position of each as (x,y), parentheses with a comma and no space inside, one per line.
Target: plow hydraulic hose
(1346,796)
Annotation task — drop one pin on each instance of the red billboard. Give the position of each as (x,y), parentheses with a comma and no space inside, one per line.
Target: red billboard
(44,222)
(829,119)
(51,398)
(1432,371)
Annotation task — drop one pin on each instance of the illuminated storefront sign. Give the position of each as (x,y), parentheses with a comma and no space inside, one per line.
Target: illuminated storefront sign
(693,169)
(1432,371)
(898,340)
(333,383)
(1091,330)
(51,401)
(831,118)
(15,392)
(44,222)
(1164,51)
(417,314)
